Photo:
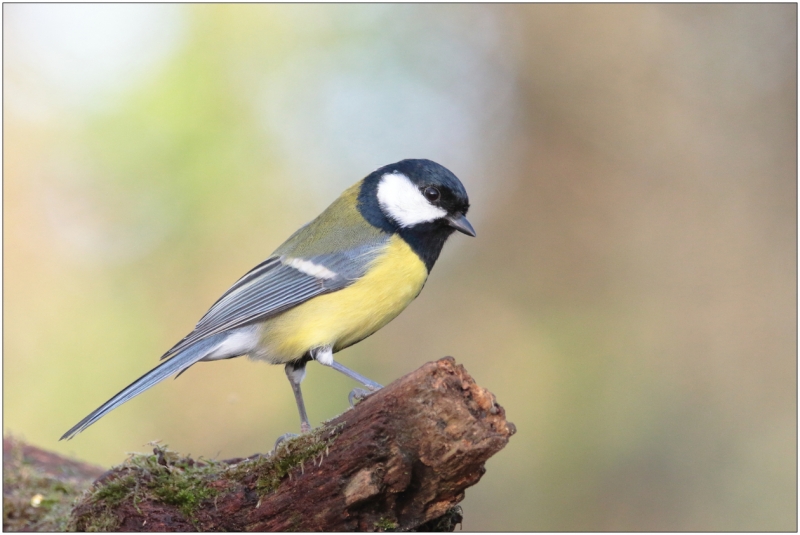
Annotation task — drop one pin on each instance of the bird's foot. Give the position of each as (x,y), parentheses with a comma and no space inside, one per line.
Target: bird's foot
(283,438)
(358,394)
(305,427)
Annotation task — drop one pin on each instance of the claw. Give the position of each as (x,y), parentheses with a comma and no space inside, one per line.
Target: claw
(357,395)
(283,438)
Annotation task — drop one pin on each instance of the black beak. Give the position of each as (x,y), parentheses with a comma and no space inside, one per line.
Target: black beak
(460,223)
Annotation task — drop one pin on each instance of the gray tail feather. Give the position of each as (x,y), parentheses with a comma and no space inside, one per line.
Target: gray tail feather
(176,364)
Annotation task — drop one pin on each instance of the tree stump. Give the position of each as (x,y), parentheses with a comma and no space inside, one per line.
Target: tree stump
(399,460)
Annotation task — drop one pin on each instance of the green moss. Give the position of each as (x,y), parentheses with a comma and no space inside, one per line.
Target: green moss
(163,476)
(115,491)
(385,524)
(104,522)
(36,501)
(186,491)
(185,484)
(291,454)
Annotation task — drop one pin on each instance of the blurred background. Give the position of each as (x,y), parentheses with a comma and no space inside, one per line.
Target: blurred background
(630,298)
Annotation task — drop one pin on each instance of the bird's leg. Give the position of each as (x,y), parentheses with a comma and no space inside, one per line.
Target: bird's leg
(324,355)
(372,385)
(296,371)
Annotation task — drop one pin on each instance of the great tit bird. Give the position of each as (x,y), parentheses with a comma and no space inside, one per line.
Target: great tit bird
(334,282)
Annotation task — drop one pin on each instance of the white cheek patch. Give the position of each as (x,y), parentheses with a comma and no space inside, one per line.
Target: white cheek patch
(401,201)
(310,268)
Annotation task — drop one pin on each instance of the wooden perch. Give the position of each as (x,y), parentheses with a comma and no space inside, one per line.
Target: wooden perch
(400,460)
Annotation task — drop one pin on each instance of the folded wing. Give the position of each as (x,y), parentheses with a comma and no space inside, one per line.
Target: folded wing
(278,284)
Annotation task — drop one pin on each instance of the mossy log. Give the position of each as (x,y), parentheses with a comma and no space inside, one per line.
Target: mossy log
(399,460)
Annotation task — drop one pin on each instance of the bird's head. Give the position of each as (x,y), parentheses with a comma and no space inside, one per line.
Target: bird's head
(417,196)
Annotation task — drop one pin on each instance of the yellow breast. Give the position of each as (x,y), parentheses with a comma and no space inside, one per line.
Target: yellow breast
(342,318)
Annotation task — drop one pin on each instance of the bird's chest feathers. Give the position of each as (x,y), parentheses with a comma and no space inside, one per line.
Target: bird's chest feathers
(344,317)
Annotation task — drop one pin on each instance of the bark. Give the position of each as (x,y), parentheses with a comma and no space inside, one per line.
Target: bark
(400,460)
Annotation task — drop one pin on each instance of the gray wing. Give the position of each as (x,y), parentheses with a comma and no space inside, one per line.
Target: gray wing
(278,284)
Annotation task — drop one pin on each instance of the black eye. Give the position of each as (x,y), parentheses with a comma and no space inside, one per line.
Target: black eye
(431,193)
